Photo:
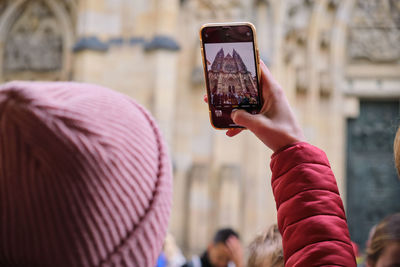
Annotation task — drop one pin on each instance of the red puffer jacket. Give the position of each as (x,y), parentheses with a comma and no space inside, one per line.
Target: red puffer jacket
(311,217)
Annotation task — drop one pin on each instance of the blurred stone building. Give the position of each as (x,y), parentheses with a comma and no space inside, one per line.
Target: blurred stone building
(337,60)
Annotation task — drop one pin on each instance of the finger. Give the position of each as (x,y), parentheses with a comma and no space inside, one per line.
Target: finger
(266,76)
(231,244)
(233,240)
(205,98)
(257,123)
(245,119)
(233,132)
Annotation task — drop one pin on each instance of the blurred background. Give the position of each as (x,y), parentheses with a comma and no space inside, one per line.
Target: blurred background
(337,60)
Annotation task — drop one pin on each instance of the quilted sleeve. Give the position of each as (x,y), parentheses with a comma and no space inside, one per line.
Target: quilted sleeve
(311,216)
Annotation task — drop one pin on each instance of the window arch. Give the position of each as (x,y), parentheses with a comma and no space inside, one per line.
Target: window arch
(36,39)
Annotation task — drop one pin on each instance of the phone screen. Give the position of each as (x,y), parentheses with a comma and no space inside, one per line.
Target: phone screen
(231,72)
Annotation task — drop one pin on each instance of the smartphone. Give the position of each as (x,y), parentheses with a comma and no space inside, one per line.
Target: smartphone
(231,67)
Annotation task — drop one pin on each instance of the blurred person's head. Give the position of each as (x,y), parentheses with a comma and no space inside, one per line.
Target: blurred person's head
(266,249)
(384,247)
(396,150)
(84,175)
(219,254)
(370,235)
(172,251)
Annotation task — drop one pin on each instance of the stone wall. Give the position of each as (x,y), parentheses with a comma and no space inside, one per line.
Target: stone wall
(327,54)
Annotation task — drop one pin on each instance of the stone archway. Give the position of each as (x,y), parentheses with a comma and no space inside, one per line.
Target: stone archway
(230,83)
(36,39)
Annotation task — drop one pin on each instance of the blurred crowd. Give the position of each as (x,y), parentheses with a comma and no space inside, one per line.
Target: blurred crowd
(265,250)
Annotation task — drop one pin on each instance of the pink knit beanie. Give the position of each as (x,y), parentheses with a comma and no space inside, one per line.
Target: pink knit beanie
(85,179)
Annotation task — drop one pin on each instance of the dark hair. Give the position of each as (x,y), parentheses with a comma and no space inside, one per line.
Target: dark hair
(386,231)
(222,235)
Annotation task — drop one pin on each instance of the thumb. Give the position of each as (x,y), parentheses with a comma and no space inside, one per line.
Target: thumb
(245,119)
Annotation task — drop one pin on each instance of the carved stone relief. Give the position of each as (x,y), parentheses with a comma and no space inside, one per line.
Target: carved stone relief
(326,83)
(297,26)
(3,5)
(35,41)
(71,7)
(325,39)
(302,82)
(374,34)
(394,8)
(297,19)
(217,9)
(333,4)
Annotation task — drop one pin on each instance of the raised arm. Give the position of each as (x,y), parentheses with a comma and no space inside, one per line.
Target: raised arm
(311,216)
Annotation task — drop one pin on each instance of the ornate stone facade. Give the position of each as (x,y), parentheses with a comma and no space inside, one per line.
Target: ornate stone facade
(35,41)
(3,6)
(216,9)
(375,31)
(326,54)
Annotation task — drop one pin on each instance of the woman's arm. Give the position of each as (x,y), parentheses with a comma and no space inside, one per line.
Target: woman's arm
(311,217)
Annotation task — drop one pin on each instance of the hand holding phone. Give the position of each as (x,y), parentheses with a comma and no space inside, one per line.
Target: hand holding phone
(275,125)
(230,55)
(231,67)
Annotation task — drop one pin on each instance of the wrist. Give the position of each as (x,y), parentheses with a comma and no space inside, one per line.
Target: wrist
(283,148)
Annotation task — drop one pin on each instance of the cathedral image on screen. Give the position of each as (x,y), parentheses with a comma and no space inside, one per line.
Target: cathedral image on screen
(231,83)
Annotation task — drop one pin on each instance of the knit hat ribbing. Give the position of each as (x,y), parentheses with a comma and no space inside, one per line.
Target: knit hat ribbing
(85,179)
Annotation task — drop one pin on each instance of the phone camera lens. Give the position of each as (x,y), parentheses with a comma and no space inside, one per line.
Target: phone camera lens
(206,35)
(248,33)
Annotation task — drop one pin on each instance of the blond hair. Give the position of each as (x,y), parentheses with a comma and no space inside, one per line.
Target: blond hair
(388,230)
(396,150)
(266,249)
